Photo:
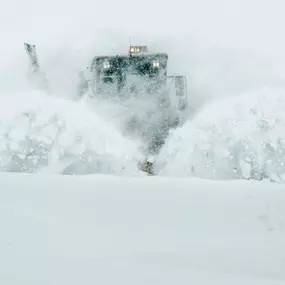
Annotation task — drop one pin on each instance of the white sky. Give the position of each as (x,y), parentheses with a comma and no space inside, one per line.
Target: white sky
(244,23)
(217,43)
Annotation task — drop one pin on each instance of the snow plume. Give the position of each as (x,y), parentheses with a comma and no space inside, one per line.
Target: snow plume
(145,119)
(42,133)
(241,137)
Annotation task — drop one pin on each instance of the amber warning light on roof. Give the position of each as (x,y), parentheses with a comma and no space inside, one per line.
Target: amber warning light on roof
(138,49)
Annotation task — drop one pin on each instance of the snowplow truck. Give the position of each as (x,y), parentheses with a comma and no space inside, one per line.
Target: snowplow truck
(136,72)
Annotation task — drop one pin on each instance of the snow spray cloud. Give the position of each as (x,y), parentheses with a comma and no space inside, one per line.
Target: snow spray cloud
(60,136)
(221,55)
(242,137)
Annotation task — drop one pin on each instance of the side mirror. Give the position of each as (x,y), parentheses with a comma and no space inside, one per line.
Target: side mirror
(180,88)
(181,91)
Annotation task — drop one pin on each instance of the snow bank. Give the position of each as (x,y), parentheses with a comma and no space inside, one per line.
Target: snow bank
(40,133)
(241,137)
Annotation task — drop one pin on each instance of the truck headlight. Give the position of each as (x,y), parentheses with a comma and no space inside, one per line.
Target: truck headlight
(106,65)
(155,63)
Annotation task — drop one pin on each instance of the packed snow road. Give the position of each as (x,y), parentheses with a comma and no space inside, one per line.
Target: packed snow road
(113,230)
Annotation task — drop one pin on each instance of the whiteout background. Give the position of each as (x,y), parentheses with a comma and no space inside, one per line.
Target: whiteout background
(105,230)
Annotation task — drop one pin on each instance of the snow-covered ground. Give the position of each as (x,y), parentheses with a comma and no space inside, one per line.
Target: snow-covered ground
(114,230)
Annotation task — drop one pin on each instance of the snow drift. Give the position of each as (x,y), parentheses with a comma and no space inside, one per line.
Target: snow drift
(241,137)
